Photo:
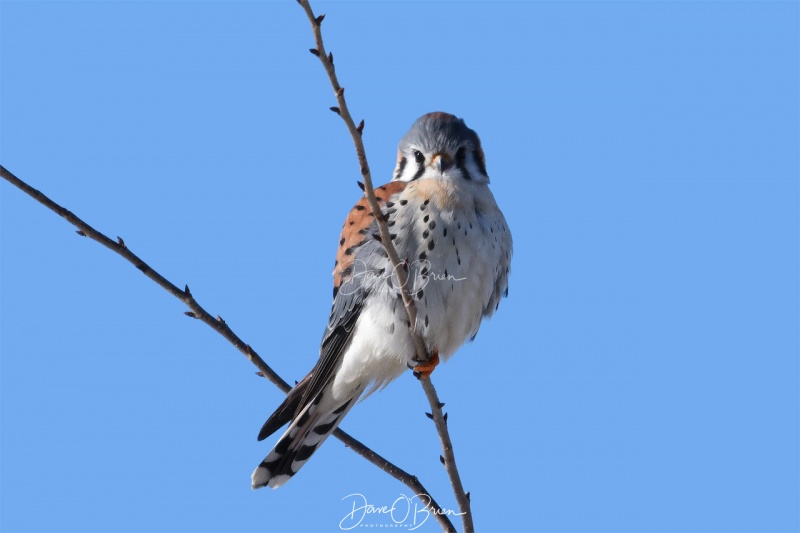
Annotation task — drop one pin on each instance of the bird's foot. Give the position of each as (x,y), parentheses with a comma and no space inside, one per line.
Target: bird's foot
(425,369)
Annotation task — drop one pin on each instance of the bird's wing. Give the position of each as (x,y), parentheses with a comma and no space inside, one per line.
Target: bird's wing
(286,410)
(354,272)
(500,288)
(358,255)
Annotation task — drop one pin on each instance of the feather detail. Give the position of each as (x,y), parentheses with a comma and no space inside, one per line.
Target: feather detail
(305,434)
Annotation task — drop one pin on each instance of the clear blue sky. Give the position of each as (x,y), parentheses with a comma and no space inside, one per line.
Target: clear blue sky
(642,376)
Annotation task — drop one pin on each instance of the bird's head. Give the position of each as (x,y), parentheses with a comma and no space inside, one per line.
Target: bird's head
(440,146)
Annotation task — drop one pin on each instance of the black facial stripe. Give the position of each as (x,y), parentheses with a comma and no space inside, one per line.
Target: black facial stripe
(401,167)
(480,162)
(420,171)
(461,156)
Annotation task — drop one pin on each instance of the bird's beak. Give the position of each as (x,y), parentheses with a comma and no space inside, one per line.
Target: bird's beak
(441,162)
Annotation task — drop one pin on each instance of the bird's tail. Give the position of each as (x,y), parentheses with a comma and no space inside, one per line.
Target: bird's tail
(312,425)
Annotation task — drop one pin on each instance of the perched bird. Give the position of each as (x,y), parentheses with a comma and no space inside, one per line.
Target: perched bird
(445,223)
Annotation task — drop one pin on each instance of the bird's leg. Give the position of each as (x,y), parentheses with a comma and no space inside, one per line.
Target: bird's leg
(425,369)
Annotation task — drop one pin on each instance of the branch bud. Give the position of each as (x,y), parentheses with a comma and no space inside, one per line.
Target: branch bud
(335,109)
(314,51)
(79,232)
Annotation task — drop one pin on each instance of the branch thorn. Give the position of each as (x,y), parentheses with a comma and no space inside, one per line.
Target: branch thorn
(360,127)
(319,19)
(314,51)
(441,459)
(441,404)
(79,232)
(190,314)
(360,185)
(187,291)
(219,318)
(429,415)
(330,57)
(121,242)
(335,109)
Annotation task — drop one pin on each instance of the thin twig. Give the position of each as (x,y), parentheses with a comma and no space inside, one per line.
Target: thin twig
(119,247)
(342,110)
(218,324)
(449,458)
(400,266)
(401,475)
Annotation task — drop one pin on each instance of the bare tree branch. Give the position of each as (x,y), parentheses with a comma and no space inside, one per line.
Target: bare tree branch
(400,266)
(219,325)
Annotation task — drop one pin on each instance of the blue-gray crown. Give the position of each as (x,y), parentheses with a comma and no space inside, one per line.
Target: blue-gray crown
(439,132)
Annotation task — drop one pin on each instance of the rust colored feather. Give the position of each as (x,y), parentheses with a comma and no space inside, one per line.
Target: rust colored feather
(356,230)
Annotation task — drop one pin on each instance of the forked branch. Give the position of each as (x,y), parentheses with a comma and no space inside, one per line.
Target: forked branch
(400,265)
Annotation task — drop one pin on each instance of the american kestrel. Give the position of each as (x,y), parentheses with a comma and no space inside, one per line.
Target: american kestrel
(445,223)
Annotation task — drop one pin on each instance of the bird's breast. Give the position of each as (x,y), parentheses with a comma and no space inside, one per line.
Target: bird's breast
(447,234)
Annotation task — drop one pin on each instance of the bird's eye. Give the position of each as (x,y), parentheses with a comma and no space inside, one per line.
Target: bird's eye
(419,156)
(460,155)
